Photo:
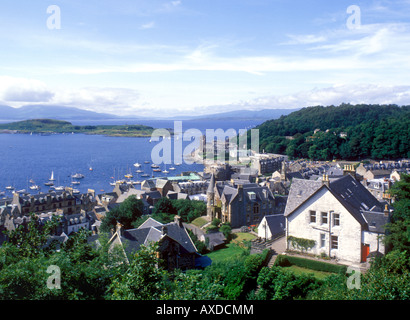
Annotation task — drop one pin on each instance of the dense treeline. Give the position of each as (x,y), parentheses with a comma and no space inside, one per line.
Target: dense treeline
(350,132)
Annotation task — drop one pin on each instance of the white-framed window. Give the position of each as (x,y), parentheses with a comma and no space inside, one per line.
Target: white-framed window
(312,216)
(336,219)
(335,242)
(324,217)
(322,240)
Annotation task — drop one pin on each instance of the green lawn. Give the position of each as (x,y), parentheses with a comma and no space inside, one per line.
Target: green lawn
(240,236)
(199,222)
(230,251)
(300,270)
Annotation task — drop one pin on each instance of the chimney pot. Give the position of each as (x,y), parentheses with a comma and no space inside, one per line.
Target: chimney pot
(386,210)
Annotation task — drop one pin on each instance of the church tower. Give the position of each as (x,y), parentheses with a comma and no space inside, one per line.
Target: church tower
(210,197)
(283,171)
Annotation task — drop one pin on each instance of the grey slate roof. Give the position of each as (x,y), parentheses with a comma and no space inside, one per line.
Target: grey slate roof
(276,223)
(152,231)
(375,221)
(300,191)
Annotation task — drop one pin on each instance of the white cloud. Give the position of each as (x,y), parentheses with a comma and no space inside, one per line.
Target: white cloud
(148,25)
(15,90)
(334,95)
(305,39)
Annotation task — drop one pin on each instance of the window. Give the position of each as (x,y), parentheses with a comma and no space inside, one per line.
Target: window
(336,219)
(312,216)
(322,240)
(256,208)
(335,242)
(324,217)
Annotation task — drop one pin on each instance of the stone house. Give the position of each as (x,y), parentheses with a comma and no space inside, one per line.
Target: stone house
(239,203)
(160,185)
(176,248)
(340,216)
(65,201)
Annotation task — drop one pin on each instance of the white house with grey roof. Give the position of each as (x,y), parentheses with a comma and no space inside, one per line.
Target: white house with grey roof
(343,219)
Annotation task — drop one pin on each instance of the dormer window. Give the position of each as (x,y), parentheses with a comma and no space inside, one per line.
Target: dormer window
(252,195)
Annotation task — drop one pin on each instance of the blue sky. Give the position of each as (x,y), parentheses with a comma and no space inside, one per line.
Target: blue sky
(157,57)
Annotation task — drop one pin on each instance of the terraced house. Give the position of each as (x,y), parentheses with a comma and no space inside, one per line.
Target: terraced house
(239,202)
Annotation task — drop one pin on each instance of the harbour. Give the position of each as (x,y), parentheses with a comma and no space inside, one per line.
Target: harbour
(35,163)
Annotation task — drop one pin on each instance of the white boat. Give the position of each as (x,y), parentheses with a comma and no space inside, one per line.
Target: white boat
(137,165)
(154,165)
(34,187)
(9,188)
(75,182)
(177,164)
(76,191)
(146,161)
(129,176)
(78,176)
(165,171)
(145,175)
(52,176)
(59,188)
(21,191)
(139,171)
(49,184)
(172,168)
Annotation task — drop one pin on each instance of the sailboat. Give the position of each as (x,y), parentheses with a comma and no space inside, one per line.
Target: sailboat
(137,165)
(165,171)
(52,176)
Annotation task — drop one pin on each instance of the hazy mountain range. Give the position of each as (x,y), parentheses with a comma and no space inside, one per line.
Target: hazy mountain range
(70,113)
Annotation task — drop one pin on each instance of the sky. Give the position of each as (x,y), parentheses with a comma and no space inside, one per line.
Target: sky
(184,57)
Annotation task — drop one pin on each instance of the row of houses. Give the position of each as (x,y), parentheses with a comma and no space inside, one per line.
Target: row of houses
(336,212)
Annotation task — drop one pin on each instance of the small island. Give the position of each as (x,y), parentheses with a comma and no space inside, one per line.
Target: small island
(50,126)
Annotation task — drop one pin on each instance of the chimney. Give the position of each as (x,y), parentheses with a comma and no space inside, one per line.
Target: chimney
(177,221)
(120,229)
(164,230)
(326,180)
(386,210)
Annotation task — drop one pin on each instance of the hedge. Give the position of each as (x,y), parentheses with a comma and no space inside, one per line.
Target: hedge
(286,261)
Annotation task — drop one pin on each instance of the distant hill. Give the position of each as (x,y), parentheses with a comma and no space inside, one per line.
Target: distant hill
(51,112)
(265,114)
(345,132)
(49,126)
(71,113)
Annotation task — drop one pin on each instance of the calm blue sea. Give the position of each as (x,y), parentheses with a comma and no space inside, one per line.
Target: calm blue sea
(25,157)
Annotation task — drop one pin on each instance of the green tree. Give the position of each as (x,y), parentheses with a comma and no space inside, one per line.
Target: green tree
(398,235)
(126,214)
(144,278)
